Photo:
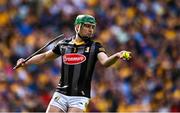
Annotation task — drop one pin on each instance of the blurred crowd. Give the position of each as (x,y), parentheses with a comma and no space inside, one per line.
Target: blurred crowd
(150,29)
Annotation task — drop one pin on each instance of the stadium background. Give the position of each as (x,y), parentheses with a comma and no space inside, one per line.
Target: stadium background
(148,28)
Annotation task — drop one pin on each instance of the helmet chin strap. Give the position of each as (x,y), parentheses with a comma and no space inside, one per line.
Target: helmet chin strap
(84,38)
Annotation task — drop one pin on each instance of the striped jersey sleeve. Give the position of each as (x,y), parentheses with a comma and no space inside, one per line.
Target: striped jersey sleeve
(100,48)
(57,49)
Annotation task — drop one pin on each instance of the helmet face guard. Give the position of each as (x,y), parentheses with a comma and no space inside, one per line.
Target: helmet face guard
(84,19)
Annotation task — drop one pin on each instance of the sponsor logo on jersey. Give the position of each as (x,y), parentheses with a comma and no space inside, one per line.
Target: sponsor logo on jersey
(73,58)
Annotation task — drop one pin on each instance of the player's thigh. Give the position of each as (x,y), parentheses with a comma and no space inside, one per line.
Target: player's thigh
(77,103)
(73,110)
(52,108)
(58,103)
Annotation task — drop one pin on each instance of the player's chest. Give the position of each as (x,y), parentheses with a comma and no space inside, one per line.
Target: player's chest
(75,55)
(76,49)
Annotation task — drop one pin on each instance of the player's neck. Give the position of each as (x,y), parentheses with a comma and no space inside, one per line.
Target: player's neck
(78,40)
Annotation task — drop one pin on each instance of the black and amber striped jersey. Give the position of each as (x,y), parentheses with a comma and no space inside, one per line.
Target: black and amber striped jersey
(78,62)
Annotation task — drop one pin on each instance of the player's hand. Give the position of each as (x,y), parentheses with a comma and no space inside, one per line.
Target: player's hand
(20,63)
(125,55)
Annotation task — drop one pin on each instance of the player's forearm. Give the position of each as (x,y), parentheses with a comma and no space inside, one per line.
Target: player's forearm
(38,59)
(111,60)
(107,61)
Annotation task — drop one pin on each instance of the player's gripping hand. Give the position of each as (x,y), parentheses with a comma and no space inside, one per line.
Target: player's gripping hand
(125,55)
(21,62)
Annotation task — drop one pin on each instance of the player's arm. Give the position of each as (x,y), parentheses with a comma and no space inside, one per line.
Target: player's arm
(108,61)
(38,59)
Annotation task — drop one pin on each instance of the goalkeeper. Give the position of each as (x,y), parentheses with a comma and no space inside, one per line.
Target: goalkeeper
(79,56)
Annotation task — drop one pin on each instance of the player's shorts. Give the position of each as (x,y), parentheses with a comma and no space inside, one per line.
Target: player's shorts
(64,102)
